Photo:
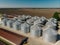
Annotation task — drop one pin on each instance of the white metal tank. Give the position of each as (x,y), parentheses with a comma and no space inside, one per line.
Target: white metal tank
(25,27)
(53,20)
(50,35)
(22,18)
(10,23)
(51,25)
(38,22)
(4,22)
(28,17)
(44,20)
(30,21)
(35,18)
(17,25)
(36,31)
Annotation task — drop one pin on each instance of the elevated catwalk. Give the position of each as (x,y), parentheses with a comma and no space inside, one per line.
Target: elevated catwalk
(13,37)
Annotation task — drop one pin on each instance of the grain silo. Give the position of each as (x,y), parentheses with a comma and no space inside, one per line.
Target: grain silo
(50,35)
(51,25)
(37,22)
(25,27)
(35,18)
(36,31)
(41,20)
(28,17)
(10,23)
(4,22)
(44,20)
(53,20)
(30,21)
(17,25)
(23,17)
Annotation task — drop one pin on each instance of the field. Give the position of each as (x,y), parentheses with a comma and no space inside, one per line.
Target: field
(47,12)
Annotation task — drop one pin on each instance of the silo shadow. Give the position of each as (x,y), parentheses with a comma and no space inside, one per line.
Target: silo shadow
(58,37)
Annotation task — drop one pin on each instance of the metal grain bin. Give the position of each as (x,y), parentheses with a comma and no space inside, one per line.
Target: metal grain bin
(51,25)
(4,22)
(50,35)
(30,21)
(35,18)
(17,25)
(28,17)
(36,31)
(44,20)
(37,22)
(41,20)
(25,28)
(10,23)
(53,20)
(23,17)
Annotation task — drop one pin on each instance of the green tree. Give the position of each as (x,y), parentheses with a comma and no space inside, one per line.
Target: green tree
(56,15)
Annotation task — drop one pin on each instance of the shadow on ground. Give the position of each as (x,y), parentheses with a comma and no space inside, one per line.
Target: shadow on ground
(58,37)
